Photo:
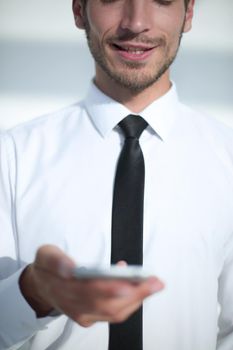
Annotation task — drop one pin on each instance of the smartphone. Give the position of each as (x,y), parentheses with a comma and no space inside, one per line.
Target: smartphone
(130,273)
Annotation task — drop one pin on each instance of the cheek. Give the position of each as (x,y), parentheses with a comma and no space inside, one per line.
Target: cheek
(101,24)
(171,21)
(172,30)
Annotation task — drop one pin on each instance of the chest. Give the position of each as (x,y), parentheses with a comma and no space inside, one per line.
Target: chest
(187,206)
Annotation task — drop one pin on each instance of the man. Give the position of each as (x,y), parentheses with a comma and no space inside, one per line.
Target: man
(57,179)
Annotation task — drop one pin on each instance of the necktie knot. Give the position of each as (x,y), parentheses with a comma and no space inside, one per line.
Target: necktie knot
(133,126)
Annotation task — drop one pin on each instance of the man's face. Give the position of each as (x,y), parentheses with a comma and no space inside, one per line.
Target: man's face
(134,42)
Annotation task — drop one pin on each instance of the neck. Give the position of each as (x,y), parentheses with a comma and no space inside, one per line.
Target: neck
(135,102)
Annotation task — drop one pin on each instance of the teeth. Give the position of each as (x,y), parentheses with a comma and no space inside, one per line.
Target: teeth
(134,50)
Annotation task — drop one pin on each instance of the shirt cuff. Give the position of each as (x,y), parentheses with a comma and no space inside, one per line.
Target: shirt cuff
(18,321)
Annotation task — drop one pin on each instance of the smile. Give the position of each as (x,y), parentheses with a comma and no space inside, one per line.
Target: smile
(133,52)
(134,49)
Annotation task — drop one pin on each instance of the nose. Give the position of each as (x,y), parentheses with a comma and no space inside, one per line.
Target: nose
(135,17)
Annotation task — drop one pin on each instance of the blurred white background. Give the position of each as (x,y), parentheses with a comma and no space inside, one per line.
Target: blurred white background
(45,63)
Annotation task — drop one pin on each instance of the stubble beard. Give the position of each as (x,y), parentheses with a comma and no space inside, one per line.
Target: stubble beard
(130,76)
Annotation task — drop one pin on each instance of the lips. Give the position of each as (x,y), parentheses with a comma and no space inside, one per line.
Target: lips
(132,48)
(133,52)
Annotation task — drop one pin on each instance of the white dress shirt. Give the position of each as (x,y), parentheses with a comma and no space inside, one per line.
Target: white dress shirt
(56,184)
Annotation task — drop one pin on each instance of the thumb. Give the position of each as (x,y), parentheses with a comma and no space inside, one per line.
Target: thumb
(122,263)
(53,260)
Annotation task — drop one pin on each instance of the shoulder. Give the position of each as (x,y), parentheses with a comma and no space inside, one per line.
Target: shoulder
(212,134)
(41,134)
(211,129)
(48,123)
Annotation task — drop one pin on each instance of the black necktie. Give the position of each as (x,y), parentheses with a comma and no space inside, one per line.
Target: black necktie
(127,224)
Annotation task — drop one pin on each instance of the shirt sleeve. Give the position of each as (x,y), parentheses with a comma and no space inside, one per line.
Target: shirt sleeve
(18,321)
(225,296)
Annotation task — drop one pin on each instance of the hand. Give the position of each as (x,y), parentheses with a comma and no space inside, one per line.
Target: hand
(47,284)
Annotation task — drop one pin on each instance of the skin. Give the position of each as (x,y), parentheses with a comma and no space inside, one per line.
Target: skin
(47,284)
(135,24)
(135,80)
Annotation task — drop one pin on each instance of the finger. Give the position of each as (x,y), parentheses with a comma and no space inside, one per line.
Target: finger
(99,292)
(119,309)
(52,259)
(116,306)
(91,296)
(88,319)
(97,297)
(86,307)
(150,286)
(125,312)
(122,263)
(109,288)
(124,288)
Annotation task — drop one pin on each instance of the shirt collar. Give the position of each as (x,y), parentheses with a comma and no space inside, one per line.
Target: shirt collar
(106,113)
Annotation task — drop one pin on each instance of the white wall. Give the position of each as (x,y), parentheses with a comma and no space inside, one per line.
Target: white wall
(45,64)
